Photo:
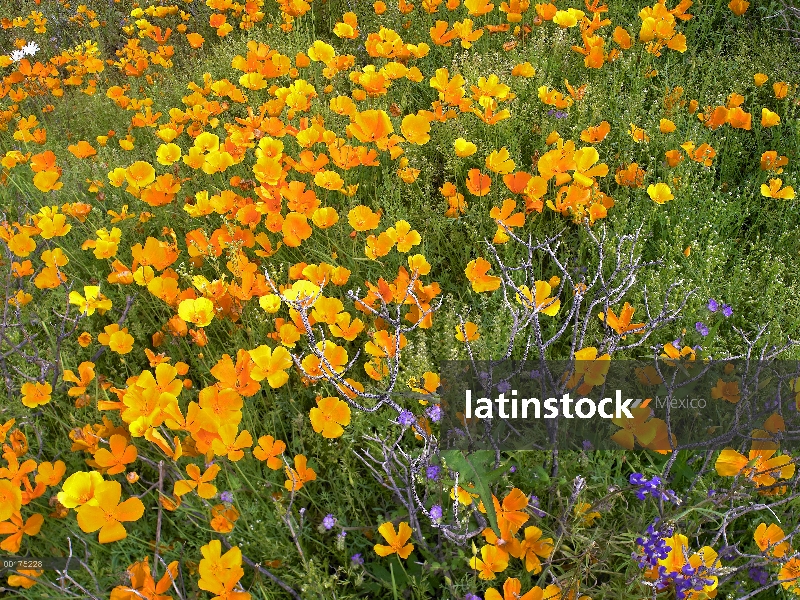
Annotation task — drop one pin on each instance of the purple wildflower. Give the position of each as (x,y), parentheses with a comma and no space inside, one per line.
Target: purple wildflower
(436,512)
(651,487)
(759,575)
(503,387)
(533,502)
(432,472)
(357,559)
(226,496)
(328,522)
(406,418)
(435,413)
(701,328)
(727,310)
(713,305)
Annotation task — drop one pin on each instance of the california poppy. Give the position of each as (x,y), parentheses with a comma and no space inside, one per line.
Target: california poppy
(397,540)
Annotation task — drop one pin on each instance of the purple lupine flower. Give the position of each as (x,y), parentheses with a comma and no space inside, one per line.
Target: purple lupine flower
(435,413)
(713,305)
(226,496)
(652,487)
(432,472)
(406,418)
(727,310)
(701,328)
(759,575)
(357,559)
(654,548)
(436,512)
(503,387)
(328,522)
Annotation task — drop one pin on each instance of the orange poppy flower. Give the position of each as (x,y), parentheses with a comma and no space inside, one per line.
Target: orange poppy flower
(371,126)
(493,560)
(10,499)
(397,540)
(622,324)
(774,190)
(362,218)
(198,482)
(500,162)
(50,474)
(269,449)
(769,118)
(230,444)
(46,181)
(504,219)
(330,416)
(142,583)
(195,40)
(117,457)
(416,129)
(760,466)
(108,513)
(532,548)
(771,162)
(82,149)
(223,518)
(118,340)
(726,390)
(512,590)
(476,272)
(296,228)
(16,527)
(738,7)
(300,475)
(271,365)
(771,539)
(478,184)
(510,514)
(199,311)
(468,333)
(35,394)
(597,133)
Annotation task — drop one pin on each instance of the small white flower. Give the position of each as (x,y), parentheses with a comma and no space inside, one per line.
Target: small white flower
(17,55)
(31,48)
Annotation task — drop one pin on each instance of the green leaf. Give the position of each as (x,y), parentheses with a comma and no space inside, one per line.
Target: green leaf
(477,468)
(540,473)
